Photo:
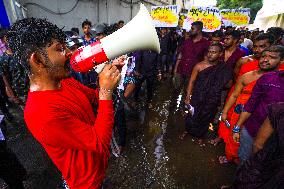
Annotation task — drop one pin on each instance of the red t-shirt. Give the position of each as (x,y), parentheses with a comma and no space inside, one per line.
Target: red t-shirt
(75,139)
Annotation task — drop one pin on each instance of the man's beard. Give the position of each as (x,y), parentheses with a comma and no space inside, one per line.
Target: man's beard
(268,69)
(58,72)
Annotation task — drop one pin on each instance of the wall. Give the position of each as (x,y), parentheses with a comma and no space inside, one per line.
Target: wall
(97,11)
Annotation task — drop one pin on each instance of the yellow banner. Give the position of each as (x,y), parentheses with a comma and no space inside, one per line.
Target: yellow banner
(165,16)
(210,16)
(235,17)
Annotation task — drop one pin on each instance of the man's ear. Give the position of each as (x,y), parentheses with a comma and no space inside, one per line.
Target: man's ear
(37,60)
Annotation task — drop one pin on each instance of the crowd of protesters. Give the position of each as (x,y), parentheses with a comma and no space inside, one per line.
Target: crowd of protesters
(232,79)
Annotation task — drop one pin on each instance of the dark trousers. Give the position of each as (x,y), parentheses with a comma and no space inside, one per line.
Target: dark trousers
(149,83)
(3,97)
(120,124)
(164,61)
(11,170)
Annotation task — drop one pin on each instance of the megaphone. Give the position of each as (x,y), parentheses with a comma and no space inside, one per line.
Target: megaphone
(138,34)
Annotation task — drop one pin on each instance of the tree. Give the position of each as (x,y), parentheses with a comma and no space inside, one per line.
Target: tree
(254,5)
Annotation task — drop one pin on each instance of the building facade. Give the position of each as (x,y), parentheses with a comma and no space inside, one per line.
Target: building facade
(71,13)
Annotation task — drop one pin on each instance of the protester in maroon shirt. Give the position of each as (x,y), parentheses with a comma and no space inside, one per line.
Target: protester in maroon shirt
(59,110)
(269,89)
(232,51)
(192,52)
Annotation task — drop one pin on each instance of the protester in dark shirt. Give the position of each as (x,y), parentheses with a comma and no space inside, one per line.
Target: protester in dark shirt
(265,169)
(208,79)
(268,89)
(164,56)
(232,52)
(87,37)
(192,51)
(89,79)
(146,67)
(11,169)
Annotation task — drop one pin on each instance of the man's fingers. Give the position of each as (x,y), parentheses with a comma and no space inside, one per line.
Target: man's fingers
(107,67)
(113,69)
(117,78)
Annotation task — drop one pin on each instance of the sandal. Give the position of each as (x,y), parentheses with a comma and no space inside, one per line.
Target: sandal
(223,160)
(215,141)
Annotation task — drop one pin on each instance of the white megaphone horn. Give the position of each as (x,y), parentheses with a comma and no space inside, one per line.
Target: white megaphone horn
(138,34)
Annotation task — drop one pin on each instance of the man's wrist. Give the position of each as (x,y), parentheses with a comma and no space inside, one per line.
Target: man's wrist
(236,129)
(105,94)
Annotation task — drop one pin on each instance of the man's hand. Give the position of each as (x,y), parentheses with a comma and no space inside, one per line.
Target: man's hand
(224,117)
(17,100)
(119,62)
(108,81)
(187,100)
(175,72)
(236,137)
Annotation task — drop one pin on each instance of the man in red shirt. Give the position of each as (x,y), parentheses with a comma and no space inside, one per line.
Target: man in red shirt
(59,110)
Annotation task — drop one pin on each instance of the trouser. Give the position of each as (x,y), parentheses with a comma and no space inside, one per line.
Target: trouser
(120,124)
(3,97)
(180,82)
(164,61)
(246,142)
(149,83)
(11,170)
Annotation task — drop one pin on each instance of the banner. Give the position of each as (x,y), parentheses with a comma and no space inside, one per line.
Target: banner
(165,16)
(235,17)
(210,16)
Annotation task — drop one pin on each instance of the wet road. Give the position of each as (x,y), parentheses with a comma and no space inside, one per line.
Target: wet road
(154,157)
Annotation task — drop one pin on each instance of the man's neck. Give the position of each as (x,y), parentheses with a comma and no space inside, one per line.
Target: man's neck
(43,84)
(87,36)
(213,62)
(232,48)
(260,71)
(198,37)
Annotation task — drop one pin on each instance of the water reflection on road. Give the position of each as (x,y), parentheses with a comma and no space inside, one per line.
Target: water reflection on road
(155,158)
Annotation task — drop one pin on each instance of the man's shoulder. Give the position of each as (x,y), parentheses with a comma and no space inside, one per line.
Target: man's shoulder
(268,78)
(249,74)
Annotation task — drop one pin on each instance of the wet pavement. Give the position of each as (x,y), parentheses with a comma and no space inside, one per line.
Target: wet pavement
(154,156)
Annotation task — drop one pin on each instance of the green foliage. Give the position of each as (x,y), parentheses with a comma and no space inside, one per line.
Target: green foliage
(254,5)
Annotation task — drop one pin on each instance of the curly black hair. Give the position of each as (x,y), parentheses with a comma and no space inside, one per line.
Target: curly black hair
(86,23)
(32,35)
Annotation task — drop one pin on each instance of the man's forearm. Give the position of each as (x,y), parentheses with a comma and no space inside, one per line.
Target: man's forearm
(243,117)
